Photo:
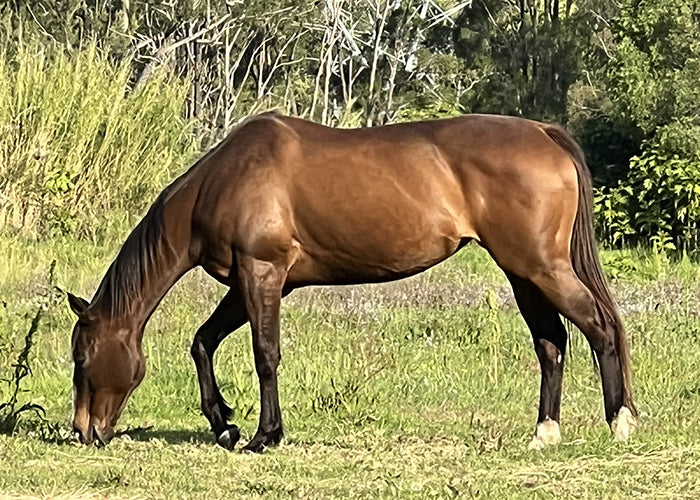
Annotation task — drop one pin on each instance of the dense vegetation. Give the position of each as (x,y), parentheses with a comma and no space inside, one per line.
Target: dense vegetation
(102,102)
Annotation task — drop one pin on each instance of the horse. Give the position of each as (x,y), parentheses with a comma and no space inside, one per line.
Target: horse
(284,203)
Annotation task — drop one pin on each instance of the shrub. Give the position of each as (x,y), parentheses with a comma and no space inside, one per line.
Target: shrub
(658,202)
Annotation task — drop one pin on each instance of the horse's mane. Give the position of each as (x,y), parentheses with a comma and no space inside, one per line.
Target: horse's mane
(144,248)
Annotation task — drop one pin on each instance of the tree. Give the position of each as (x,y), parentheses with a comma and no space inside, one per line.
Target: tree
(654,74)
(652,77)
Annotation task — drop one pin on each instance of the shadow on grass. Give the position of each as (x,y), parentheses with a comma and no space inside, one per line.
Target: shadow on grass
(57,433)
(170,436)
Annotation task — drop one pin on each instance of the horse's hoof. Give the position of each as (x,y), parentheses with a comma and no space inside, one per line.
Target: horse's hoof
(229,438)
(253,447)
(263,440)
(623,424)
(546,433)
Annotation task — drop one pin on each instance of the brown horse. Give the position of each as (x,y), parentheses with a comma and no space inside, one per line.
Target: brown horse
(284,203)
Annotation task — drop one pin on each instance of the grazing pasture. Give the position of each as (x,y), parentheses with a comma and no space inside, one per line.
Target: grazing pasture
(420,388)
(415,389)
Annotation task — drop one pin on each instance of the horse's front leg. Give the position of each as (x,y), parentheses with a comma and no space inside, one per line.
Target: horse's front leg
(262,286)
(229,315)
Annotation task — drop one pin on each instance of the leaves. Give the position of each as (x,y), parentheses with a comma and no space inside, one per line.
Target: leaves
(659,203)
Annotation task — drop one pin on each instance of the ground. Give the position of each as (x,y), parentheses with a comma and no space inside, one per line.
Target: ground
(421,388)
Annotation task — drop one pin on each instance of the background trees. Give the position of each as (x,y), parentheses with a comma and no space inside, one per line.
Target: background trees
(622,75)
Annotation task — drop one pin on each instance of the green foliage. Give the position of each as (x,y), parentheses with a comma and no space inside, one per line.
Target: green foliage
(666,204)
(526,55)
(658,203)
(653,78)
(652,81)
(611,208)
(618,265)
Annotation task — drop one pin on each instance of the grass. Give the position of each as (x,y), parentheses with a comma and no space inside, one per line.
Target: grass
(78,144)
(416,389)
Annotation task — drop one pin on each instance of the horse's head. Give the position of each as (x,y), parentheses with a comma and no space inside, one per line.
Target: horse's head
(109,365)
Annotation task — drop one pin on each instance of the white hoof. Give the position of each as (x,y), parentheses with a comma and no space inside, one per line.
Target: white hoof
(546,433)
(226,440)
(623,424)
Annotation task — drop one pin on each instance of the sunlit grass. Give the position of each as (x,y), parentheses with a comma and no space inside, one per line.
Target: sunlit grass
(387,391)
(79,144)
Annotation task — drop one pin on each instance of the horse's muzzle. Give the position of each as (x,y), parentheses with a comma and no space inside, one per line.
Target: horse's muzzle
(83,437)
(101,436)
(104,436)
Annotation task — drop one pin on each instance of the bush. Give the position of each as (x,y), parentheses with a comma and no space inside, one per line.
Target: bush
(659,202)
(611,209)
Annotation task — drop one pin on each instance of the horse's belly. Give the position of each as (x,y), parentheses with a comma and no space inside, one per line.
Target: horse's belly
(380,252)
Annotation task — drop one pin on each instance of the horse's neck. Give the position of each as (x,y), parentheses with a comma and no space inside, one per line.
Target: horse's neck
(150,262)
(159,282)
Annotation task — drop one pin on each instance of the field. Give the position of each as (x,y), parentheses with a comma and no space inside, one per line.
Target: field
(421,388)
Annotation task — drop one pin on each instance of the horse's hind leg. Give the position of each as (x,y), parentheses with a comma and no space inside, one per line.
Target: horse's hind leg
(549,337)
(228,316)
(573,299)
(262,283)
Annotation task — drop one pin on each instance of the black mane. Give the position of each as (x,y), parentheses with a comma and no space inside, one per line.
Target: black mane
(126,277)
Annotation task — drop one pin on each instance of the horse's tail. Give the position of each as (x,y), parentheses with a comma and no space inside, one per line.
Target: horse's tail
(585,261)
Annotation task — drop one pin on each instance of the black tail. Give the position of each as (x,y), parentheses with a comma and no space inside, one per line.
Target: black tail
(584,258)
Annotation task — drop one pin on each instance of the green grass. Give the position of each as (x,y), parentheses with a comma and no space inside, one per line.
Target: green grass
(416,389)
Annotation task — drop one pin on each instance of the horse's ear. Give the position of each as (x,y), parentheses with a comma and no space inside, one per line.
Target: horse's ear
(78,306)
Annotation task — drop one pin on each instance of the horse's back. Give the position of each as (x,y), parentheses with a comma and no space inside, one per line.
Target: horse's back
(380,203)
(412,193)
(375,204)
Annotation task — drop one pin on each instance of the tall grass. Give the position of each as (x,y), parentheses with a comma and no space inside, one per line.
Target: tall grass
(78,145)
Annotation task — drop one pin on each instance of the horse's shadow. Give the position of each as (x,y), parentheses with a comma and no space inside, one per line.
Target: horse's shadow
(178,436)
(57,433)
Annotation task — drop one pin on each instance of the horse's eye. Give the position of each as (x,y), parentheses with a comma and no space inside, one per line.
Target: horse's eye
(78,358)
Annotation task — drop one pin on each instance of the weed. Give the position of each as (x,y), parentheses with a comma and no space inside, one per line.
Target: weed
(11,411)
